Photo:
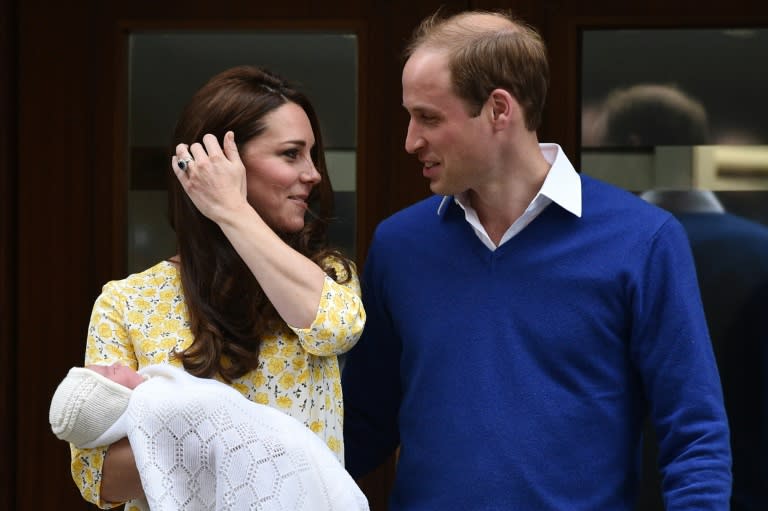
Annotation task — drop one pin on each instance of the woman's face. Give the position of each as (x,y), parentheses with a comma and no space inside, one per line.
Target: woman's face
(278,168)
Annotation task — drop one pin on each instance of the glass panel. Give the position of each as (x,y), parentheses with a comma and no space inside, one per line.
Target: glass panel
(721,69)
(679,117)
(166,68)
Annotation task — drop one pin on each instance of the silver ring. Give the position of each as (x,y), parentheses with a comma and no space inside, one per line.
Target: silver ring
(184,164)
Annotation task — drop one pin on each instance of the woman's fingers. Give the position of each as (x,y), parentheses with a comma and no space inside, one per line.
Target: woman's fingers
(198,152)
(230,147)
(182,151)
(212,175)
(212,147)
(181,160)
(206,166)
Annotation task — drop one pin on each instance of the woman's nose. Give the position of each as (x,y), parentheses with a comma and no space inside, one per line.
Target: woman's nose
(309,172)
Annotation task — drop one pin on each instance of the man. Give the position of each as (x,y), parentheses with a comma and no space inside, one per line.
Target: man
(524,321)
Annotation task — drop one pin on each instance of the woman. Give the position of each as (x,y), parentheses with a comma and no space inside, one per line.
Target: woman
(254,297)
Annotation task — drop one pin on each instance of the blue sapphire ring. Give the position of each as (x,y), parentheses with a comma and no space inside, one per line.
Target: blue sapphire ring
(184,164)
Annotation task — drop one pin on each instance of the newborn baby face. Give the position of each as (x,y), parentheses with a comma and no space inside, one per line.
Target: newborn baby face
(118,373)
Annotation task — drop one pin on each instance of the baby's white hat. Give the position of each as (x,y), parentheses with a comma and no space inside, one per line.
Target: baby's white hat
(85,405)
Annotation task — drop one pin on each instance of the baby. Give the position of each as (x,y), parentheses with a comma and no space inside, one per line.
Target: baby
(200,444)
(89,400)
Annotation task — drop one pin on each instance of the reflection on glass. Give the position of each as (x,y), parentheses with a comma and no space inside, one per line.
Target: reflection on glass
(166,68)
(678,116)
(647,115)
(720,68)
(658,113)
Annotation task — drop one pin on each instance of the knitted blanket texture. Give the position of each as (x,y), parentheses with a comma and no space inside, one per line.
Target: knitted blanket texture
(201,445)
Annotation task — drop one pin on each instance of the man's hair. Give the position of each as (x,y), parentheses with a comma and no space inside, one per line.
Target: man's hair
(489,50)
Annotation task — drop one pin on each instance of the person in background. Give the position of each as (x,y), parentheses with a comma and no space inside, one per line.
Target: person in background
(524,321)
(254,297)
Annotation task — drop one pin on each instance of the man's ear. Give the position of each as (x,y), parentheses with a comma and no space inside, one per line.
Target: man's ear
(504,108)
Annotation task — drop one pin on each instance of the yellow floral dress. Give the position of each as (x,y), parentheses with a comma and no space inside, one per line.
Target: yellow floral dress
(142,319)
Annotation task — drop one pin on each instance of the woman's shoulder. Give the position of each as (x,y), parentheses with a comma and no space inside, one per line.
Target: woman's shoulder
(164,274)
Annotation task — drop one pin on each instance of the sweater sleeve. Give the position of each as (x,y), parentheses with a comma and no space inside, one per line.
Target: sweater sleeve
(340,317)
(371,380)
(671,347)
(107,342)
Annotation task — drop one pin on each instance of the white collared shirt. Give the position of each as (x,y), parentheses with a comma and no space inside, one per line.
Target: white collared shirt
(561,186)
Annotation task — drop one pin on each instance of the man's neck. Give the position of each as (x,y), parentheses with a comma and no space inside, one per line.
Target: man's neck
(501,202)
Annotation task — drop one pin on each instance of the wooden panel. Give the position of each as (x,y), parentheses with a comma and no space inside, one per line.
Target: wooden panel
(53,236)
(8,243)
(526,10)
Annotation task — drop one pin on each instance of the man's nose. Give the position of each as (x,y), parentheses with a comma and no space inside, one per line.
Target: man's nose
(413,139)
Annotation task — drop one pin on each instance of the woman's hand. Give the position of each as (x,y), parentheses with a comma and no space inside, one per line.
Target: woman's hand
(214,179)
(120,480)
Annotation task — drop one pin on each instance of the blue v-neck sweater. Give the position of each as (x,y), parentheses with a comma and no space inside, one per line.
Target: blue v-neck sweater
(519,378)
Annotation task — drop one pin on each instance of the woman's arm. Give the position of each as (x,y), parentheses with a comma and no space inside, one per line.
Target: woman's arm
(216,184)
(340,316)
(291,281)
(119,476)
(108,342)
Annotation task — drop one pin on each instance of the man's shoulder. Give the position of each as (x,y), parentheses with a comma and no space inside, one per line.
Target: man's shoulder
(412,217)
(422,209)
(625,217)
(606,198)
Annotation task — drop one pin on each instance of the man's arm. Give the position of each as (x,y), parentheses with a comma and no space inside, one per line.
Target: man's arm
(371,381)
(672,350)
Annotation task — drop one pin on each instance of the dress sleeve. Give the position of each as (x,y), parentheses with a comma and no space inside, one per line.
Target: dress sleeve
(340,317)
(108,341)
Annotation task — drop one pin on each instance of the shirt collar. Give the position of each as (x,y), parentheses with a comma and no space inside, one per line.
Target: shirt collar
(562,184)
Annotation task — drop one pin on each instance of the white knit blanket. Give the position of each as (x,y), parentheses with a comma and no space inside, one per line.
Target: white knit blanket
(201,445)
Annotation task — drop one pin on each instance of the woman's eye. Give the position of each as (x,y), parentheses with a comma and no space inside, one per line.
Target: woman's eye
(291,154)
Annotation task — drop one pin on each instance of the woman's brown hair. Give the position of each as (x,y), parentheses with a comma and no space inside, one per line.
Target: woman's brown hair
(228,310)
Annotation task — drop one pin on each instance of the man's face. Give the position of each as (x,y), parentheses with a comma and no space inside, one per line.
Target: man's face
(452,145)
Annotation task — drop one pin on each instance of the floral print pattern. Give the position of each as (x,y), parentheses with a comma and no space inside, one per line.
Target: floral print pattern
(141,320)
